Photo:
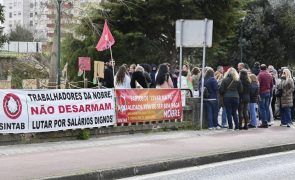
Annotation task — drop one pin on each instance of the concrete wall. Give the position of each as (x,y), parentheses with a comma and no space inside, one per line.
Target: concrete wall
(6,139)
(190,121)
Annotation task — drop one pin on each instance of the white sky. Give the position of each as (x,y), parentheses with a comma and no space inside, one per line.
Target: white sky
(1,2)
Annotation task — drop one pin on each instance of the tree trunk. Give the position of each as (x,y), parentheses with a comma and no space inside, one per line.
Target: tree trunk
(53,62)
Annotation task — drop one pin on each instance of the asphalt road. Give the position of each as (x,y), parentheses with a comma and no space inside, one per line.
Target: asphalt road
(267,167)
(143,152)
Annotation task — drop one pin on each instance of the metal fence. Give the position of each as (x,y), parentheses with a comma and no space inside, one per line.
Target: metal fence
(22,47)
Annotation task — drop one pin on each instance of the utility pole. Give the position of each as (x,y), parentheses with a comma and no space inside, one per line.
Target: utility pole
(58,43)
(241,40)
(241,44)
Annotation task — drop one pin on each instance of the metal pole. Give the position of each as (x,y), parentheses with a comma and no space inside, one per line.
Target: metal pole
(84,79)
(180,53)
(241,42)
(113,62)
(203,72)
(58,44)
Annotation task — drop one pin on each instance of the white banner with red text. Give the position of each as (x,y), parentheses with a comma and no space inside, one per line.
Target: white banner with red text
(25,111)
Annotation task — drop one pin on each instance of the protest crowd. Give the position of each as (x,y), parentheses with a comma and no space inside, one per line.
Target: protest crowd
(245,97)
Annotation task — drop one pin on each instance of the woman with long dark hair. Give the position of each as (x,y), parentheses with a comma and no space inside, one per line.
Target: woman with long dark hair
(163,79)
(122,79)
(254,97)
(244,99)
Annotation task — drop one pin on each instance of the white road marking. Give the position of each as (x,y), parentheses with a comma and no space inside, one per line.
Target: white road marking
(172,172)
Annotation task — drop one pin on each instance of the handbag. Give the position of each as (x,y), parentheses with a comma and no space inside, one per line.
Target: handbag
(206,93)
(221,97)
(221,100)
(279,92)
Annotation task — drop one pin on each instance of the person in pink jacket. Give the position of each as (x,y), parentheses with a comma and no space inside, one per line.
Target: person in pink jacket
(163,79)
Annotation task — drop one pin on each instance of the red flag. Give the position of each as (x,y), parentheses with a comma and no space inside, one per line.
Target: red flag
(106,40)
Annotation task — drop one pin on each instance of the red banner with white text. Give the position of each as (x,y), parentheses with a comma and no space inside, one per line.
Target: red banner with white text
(138,105)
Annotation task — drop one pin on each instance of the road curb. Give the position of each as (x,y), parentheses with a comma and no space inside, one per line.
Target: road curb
(124,172)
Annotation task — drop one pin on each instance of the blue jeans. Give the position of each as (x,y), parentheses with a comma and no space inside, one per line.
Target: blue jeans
(212,112)
(223,117)
(231,105)
(253,118)
(264,107)
(285,115)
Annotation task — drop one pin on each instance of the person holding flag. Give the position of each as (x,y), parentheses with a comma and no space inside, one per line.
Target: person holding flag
(105,42)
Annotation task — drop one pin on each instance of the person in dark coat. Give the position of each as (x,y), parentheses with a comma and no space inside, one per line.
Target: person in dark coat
(147,70)
(108,80)
(211,103)
(230,88)
(254,98)
(256,68)
(153,76)
(244,99)
(138,79)
(174,76)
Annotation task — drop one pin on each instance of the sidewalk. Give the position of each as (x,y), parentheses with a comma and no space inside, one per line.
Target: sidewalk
(127,155)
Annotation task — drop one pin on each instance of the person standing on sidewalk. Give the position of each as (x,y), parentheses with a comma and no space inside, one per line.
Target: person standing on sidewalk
(153,76)
(108,80)
(244,100)
(211,103)
(256,68)
(241,66)
(219,77)
(138,79)
(122,78)
(147,73)
(274,74)
(254,95)
(265,81)
(286,87)
(132,69)
(196,74)
(230,88)
(163,79)
(186,79)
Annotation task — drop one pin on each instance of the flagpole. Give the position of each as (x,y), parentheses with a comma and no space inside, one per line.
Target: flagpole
(84,79)
(112,60)
(66,81)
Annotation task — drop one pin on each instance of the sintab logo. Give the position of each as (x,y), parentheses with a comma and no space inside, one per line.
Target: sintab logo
(12,106)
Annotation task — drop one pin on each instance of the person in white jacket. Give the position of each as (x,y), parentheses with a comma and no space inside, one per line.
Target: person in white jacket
(122,78)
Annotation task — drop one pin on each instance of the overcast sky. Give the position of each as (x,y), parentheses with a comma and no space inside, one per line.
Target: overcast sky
(1,2)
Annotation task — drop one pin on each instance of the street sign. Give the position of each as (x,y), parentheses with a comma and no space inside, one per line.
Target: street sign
(190,33)
(194,33)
